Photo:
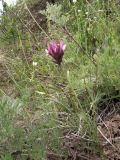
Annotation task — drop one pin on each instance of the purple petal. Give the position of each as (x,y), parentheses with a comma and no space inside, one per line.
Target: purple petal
(61,45)
(54,46)
(61,48)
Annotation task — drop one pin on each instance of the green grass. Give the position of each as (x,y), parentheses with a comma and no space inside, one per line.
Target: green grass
(54,100)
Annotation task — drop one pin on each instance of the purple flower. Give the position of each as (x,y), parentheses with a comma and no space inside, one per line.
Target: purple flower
(56,51)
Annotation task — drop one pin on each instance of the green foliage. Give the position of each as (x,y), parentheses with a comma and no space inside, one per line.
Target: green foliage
(54,14)
(6,157)
(9,108)
(55,99)
(8,26)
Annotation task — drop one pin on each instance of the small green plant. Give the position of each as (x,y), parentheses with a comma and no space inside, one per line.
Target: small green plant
(54,14)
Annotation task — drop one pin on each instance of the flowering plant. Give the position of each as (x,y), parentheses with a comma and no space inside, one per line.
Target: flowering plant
(56,51)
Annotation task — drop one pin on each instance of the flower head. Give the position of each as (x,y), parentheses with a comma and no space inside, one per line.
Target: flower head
(34,63)
(74,1)
(56,51)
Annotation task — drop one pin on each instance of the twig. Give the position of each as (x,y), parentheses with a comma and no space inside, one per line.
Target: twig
(28,29)
(108,141)
(81,49)
(69,34)
(112,139)
(36,21)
